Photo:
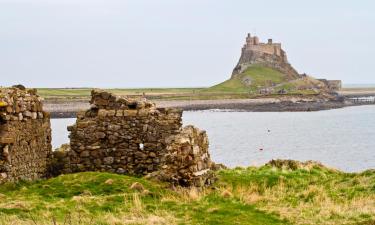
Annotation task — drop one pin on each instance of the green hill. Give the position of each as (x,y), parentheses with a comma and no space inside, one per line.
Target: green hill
(282,192)
(251,79)
(259,77)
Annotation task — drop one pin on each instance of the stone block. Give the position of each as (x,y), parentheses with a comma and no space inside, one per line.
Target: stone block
(130,112)
(111,112)
(119,113)
(7,140)
(102,113)
(108,160)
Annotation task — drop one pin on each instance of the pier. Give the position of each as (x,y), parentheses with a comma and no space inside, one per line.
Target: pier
(362,99)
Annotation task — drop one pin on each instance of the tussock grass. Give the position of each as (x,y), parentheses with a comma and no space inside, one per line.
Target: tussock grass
(306,195)
(278,193)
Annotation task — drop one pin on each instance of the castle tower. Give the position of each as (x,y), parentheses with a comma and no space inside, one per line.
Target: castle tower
(256,40)
(249,40)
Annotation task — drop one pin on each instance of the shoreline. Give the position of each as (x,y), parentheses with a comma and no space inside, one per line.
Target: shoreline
(69,109)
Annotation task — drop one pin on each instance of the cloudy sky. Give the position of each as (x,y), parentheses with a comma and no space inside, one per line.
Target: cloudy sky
(177,43)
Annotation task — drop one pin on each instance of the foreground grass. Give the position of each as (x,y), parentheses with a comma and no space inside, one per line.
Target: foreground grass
(265,195)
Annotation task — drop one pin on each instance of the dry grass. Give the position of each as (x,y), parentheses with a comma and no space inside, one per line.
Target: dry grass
(186,195)
(162,218)
(319,210)
(314,200)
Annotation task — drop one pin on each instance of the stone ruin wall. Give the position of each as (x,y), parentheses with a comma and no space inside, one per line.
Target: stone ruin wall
(25,135)
(332,85)
(128,136)
(272,49)
(119,135)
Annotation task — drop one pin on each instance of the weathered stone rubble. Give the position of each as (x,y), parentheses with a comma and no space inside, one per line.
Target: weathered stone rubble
(25,135)
(129,136)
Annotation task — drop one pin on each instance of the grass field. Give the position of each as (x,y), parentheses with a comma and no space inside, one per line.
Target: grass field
(85,92)
(285,193)
(150,93)
(230,89)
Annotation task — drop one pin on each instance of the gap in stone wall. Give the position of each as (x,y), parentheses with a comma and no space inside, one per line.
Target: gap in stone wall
(60,134)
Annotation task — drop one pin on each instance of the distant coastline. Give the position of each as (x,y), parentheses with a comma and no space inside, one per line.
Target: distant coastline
(65,103)
(358,85)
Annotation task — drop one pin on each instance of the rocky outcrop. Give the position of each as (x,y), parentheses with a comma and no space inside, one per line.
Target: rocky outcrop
(132,136)
(25,135)
(250,57)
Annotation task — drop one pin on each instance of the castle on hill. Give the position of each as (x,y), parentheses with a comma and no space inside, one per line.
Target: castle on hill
(271,55)
(266,54)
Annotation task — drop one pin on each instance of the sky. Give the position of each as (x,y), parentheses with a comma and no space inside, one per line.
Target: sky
(177,43)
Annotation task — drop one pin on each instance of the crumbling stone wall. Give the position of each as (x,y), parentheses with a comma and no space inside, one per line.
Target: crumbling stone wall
(25,135)
(130,136)
(121,135)
(187,162)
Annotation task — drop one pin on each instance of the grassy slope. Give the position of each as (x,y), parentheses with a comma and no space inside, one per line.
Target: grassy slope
(259,75)
(264,195)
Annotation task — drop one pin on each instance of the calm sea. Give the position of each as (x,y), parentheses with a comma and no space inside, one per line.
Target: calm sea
(340,138)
